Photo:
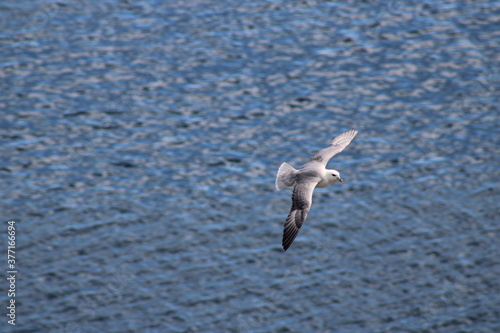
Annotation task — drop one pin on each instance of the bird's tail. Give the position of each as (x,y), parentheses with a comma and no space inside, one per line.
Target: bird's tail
(286,176)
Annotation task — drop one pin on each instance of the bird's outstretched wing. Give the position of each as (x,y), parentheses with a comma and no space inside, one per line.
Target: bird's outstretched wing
(336,146)
(301,203)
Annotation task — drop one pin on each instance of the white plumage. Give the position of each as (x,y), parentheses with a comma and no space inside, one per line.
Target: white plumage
(311,175)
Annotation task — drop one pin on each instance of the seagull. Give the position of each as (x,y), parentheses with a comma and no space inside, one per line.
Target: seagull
(311,175)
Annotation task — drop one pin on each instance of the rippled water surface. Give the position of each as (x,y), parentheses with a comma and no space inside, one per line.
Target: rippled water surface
(140,141)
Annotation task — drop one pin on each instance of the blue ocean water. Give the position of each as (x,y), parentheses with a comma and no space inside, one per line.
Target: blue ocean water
(140,141)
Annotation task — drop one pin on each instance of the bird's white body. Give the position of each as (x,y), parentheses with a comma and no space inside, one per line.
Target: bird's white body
(311,175)
(287,175)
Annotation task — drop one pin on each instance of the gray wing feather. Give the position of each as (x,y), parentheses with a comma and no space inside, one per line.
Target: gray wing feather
(336,146)
(301,203)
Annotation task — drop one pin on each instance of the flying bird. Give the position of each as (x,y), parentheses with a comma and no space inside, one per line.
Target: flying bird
(311,175)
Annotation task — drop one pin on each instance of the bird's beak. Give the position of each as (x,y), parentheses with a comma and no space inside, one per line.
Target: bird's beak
(340,180)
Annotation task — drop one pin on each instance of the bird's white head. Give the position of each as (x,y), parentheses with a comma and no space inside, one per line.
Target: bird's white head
(333,176)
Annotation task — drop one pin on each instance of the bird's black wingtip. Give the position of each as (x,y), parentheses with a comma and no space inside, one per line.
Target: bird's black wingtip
(288,242)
